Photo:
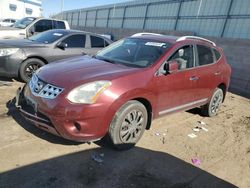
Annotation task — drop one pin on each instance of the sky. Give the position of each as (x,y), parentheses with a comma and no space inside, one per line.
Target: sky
(51,7)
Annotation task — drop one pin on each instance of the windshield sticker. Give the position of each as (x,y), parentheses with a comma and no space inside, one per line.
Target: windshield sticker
(157,44)
(58,34)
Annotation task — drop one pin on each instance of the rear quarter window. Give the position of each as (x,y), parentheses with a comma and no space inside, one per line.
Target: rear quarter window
(205,55)
(217,54)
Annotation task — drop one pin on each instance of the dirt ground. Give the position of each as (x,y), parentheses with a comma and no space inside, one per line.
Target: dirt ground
(30,157)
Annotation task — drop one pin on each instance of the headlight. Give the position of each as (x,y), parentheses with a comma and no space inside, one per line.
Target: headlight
(88,93)
(8,51)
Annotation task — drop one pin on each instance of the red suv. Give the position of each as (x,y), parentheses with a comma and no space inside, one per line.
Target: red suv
(125,86)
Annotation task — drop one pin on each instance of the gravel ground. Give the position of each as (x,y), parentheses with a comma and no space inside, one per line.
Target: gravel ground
(30,157)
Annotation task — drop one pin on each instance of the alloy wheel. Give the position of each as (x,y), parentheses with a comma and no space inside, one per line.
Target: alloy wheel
(132,126)
(31,68)
(216,102)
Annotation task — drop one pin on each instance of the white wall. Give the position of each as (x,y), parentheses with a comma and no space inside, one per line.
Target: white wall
(21,6)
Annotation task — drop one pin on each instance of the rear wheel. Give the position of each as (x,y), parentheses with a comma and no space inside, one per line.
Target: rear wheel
(212,108)
(128,125)
(28,67)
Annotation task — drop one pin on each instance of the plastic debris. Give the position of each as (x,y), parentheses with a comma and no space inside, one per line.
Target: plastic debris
(97,157)
(197,129)
(196,161)
(204,129)
(192,135)
(164,134)
(202,122)
(157,134)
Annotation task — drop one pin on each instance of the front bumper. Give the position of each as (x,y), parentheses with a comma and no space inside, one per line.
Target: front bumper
(59,117)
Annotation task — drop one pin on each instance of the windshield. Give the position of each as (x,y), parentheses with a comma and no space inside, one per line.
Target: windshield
(23,23)
(48,37)
(134,52)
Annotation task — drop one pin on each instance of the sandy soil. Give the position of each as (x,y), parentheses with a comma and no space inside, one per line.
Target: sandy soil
(30,157)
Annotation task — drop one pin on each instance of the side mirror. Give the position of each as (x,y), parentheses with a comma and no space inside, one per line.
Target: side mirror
(62,45)
(172,66)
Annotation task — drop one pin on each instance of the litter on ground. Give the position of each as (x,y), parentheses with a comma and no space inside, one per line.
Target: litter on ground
(204,129)
(157,134)
(192,135)
(196,161)
(202,122)
(97,157)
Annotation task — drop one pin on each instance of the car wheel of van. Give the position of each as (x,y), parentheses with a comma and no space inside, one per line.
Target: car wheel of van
(28,67)
(212,108)
(128,125)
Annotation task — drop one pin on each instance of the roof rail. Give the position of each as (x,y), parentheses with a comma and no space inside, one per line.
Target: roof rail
(194,37)
(141,34)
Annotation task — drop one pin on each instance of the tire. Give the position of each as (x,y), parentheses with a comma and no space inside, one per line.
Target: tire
(128,125)
(28,67)
(211,109)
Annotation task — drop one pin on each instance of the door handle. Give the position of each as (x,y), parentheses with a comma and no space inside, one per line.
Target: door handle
(193,78)
(217,73)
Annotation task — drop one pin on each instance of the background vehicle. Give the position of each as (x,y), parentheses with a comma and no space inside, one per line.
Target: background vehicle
(125,86)
(22,57)
(7,22)
(29,26)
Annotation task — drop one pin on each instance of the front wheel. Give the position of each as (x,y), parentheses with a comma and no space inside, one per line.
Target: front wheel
(128,125)
(212,108)
(28,67)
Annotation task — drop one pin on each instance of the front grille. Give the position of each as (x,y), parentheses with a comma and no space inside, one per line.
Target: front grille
(43,89)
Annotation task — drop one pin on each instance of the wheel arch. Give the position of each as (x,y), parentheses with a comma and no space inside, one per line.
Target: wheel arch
(30,57)
(223,87)
(145,99)
(37,57)
(148,106)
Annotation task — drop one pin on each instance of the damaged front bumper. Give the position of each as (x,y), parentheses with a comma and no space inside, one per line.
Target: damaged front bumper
(28,110)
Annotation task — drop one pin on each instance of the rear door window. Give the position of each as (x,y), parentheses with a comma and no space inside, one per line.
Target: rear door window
(75,41)
(97,42)
(43,25)
(59,25)
(205,55)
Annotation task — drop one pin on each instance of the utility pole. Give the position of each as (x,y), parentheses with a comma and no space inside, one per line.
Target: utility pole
(62,7)
(24,9)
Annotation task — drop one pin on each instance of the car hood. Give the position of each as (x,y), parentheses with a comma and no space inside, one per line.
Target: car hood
(19,43)
(11,32)
(9,28)
(79,70)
